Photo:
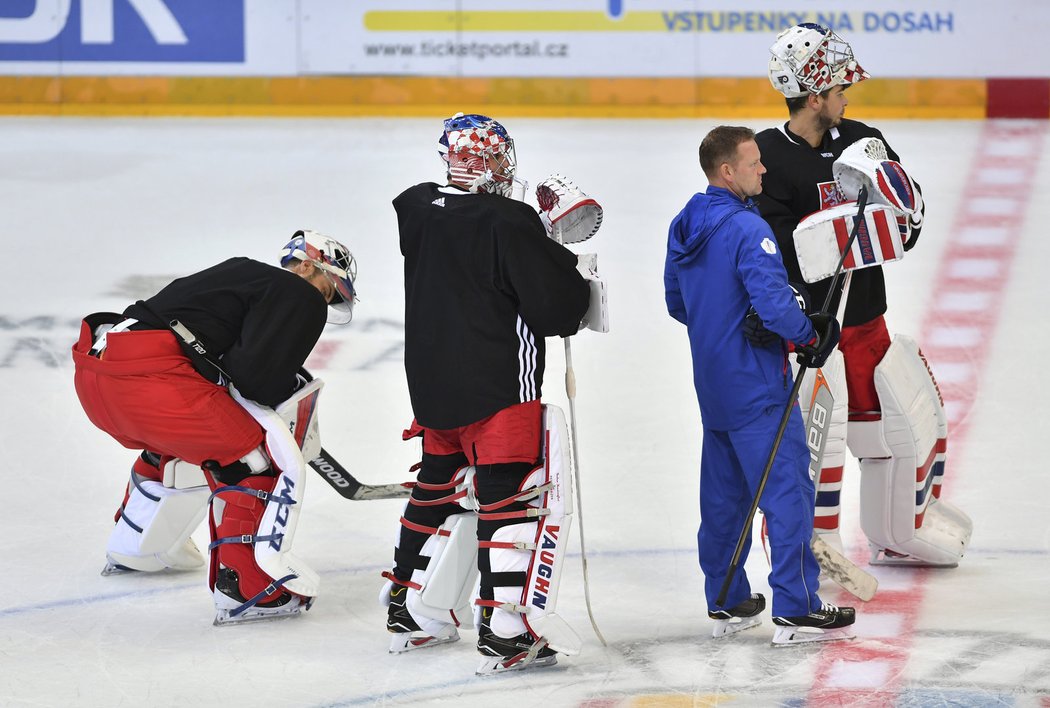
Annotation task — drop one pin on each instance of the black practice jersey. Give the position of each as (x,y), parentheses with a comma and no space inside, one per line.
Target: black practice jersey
(262,321)
(799,182)
(483,286)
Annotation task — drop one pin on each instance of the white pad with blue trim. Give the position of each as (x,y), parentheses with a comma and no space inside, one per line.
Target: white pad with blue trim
(902,459)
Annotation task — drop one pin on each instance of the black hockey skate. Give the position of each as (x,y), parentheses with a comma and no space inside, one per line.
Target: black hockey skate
(827,624)
(407,633)
(230,603)
(739,617)
(514,654)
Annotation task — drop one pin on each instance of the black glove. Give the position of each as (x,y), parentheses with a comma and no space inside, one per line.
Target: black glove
(814,354)
(756,332)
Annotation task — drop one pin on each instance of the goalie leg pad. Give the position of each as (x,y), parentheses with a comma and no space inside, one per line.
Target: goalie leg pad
(153,526)
(435,554)
(291,434)
(828,477)
(522,559)
(243,590)
(902,458)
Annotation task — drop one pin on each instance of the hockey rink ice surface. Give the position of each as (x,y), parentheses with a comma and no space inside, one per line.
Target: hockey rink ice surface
(99,212)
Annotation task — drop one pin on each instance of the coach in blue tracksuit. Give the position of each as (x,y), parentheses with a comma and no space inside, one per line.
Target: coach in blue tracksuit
(722,260)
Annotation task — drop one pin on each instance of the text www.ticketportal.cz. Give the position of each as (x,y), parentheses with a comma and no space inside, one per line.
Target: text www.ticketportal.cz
(475,50)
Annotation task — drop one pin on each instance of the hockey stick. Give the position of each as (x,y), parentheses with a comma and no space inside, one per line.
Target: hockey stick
(570,391)
(745,532)
(348,486)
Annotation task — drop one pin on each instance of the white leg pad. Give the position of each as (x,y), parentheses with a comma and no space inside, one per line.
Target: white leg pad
(552,539)
(154,530)
(902,458)
(450,577)
(829,477)
(291,432)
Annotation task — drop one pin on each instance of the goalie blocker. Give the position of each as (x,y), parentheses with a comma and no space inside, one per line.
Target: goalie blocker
(439,595)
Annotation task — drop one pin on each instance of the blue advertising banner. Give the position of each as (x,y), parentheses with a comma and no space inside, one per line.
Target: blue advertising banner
(122,30)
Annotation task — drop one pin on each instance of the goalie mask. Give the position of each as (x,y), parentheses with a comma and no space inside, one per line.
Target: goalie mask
(335,261)
(479,153)
(809,58)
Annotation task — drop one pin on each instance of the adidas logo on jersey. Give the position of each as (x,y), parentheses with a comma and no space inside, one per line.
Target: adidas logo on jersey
(440,201)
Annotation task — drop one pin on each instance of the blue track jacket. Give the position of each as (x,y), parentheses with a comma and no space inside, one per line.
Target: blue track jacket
(722,259)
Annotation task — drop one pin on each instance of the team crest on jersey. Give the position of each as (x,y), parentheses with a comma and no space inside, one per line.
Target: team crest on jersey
(830,194)
(768,246)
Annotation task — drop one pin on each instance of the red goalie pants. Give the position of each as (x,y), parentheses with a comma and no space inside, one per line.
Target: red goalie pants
(863,347)
(146,394)
(510,435)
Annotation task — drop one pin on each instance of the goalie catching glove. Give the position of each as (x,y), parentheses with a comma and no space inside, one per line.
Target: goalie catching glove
(570,215)
(867,163)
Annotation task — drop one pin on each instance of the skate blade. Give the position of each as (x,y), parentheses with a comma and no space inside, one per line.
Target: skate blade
(885,557)
(115,569)
(725,627)
(791,636)
(401,642)
(223,618)
(491,666)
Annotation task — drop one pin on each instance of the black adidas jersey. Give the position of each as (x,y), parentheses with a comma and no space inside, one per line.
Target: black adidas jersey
(262,321)
(483,286)
(799,181)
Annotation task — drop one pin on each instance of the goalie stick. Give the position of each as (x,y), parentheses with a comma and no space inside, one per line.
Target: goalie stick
(734,563)
(347,485)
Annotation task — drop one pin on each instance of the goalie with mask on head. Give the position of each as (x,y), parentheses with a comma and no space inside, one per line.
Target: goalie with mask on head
(205,378)
(887,406)
(484,286)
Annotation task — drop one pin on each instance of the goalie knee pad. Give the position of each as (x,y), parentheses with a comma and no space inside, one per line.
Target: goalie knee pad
(523,540)
(154,524)
(902,459)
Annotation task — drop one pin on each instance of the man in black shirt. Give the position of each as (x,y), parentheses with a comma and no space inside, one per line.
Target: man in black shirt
(155,378)
(483,286)
(812,67)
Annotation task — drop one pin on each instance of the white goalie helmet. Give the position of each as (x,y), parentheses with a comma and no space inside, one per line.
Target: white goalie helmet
(334,260)
(809,58)
(479,154)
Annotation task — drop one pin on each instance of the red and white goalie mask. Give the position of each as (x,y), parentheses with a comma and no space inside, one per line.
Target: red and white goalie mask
(480,154)
(809,58)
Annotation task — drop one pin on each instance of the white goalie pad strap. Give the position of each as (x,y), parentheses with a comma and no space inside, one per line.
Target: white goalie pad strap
(866,163)
(597,316)
(284,435)
(898,509)
(570,215)
(821,237)
(552,539)
(450,578)
(464,479)
(155,525)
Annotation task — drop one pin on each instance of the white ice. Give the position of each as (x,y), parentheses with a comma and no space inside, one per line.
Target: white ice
(96,213)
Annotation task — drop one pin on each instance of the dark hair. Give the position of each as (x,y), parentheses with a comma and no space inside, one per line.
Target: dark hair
(719,146)
(797,104)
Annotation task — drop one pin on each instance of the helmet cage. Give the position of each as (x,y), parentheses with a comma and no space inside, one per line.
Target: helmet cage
(479,153)
(809,58)
(333,259)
